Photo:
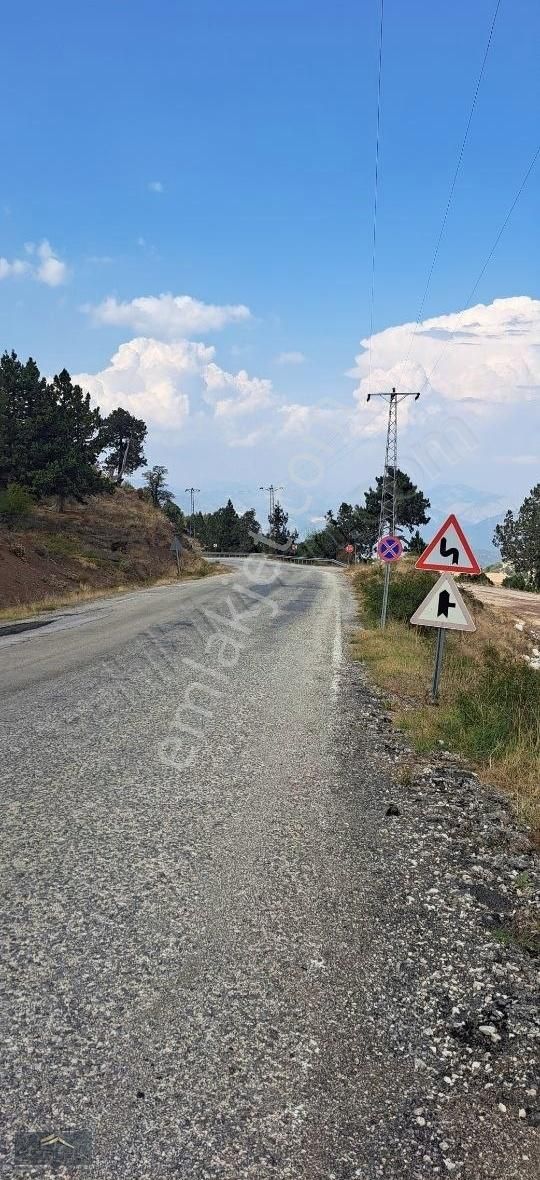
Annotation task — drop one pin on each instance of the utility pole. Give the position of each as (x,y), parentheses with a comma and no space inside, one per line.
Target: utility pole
(192,494)
(272,496)
(387,515)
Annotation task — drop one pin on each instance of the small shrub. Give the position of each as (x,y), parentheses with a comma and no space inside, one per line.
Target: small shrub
(60,545)
(15,506)
(407,590)
(516,582)
(480,579)
(501,710)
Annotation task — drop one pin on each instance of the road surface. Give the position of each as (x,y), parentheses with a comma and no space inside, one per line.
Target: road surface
(217,960)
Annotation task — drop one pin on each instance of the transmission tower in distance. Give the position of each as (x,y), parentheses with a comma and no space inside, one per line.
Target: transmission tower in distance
(192,493)
(387,515)
(271,496)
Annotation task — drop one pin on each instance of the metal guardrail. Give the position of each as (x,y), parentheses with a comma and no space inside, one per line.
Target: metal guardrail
(275,557)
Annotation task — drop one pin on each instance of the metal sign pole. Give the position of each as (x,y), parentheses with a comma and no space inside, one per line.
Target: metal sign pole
(438,664)
(386,585)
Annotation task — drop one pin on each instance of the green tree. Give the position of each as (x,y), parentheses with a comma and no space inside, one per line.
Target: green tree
(122,437)
(278,532)
(411,504)
(416,544)
(49,433)
(65,444)
(353,526)
(224,527)
(318,544)
(156,486)
(249,527)
(175,515)
(23,394)
(518,539)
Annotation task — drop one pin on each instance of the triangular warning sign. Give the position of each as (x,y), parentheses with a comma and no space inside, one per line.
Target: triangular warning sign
(449,550)
(444,607)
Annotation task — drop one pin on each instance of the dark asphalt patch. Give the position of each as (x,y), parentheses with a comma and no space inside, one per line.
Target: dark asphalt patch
(28,625)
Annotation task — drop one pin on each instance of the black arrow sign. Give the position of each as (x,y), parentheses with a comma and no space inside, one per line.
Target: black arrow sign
(446,552)
(445,604)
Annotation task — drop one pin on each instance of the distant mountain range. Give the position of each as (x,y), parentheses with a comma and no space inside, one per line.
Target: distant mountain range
(477,512)
(479,534)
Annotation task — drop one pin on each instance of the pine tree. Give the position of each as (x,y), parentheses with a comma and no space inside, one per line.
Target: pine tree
(65,443)
(416,544)
(23,394)
(411,504)
(122,436)
(157,489)
(518,539)
(278,531)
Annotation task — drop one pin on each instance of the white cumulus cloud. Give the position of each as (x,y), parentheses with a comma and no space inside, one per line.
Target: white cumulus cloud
(10,269)
(151,379)
(234,394)
(167,315)
(155,186)
(165,383)
(46,267)
(489,353)
(50,269)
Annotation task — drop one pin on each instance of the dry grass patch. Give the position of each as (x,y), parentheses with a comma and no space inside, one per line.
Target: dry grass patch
(489,707)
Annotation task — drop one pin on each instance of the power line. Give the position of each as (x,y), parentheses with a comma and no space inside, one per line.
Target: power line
(453,185)
(484,266)
(376,185)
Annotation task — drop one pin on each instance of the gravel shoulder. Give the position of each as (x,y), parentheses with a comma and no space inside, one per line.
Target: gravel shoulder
(224,957)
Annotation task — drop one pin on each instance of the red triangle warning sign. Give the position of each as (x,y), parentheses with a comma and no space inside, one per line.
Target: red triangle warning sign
(449,551)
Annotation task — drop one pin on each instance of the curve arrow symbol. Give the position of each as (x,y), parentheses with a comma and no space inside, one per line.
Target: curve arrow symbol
(446,552)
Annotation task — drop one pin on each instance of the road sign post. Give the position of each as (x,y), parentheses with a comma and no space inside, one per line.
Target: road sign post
(386,588)
(443,608)
(439,650)
(389,549)
(176,548)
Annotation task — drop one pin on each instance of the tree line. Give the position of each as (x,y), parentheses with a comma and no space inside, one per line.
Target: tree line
(359,524)
(51,438)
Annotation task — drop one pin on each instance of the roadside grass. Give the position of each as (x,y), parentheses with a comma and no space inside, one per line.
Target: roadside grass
(489,708)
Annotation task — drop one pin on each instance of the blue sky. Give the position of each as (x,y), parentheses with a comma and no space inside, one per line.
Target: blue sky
(224,151)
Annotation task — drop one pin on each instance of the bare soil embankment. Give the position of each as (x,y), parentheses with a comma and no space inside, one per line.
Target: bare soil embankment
(110,542)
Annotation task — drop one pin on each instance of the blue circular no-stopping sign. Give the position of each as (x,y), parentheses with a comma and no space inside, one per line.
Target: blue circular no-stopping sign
(389,548)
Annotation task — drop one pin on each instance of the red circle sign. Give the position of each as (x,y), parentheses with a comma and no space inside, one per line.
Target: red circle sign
(389,548)
(349,549)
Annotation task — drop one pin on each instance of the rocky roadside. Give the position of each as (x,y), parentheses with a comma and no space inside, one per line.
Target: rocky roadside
(464,980)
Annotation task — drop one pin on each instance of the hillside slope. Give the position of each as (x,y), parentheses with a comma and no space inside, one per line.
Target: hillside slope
(110,541)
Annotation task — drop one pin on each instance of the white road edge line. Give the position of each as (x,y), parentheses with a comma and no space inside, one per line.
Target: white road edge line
(337,651)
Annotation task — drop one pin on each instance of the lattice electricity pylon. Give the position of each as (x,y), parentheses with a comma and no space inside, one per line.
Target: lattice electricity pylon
(387,516)
(272,496)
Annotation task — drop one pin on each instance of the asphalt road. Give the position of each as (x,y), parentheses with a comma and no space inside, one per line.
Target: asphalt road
(207,974)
